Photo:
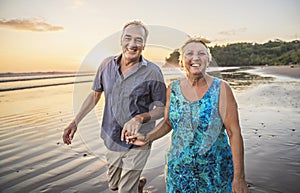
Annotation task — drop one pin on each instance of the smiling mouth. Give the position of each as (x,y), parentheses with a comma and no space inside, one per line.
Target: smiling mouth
(195,65)
(131,49)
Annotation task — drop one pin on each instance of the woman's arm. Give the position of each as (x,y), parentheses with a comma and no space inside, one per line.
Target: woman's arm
(229,114)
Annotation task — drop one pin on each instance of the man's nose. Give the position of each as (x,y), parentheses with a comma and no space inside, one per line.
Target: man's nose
(132,43)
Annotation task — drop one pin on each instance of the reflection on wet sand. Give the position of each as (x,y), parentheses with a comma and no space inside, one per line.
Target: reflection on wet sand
(240,80)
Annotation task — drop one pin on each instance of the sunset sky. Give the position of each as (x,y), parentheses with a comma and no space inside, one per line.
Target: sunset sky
(56,35)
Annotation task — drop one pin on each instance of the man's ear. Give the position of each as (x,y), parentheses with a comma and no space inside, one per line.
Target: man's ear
(121,39)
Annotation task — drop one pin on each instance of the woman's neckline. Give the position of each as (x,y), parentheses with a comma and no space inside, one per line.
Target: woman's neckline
(197,100)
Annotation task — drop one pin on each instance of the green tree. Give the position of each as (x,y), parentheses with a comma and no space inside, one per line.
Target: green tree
(173,58)
(275,52)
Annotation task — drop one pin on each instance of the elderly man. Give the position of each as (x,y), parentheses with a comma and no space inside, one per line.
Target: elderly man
(135,96)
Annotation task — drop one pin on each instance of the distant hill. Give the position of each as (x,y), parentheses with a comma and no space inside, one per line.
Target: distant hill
(276,52)
(246,54)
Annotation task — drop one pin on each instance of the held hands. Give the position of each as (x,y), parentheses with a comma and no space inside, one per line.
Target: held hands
(138,139)
(131,127)
(69,133)
(130,132)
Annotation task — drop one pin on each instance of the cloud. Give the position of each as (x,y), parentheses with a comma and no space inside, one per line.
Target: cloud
(33,24)
(232,32)
(76,4)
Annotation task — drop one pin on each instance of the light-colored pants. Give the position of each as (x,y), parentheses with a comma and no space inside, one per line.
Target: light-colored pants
(125,168)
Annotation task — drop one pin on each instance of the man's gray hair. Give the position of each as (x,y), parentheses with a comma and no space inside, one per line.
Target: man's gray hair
(137,23)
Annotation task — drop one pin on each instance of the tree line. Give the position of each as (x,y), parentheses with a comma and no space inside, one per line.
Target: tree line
(275,52)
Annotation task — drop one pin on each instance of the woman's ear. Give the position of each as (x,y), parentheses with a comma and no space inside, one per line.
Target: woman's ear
(209,55)
(181,64)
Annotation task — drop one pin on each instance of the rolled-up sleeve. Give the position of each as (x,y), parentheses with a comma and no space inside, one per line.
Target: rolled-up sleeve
(158,89)
(98,83)
(99,78)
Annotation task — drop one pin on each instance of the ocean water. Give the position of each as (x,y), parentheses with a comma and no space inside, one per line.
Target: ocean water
(20,81)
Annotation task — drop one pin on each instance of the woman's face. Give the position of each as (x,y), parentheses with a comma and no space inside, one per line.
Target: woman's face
(195,59)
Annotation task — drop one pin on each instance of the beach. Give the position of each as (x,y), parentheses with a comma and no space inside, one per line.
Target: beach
(34,159)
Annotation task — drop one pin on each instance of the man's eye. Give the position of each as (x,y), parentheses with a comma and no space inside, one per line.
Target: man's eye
(139,41)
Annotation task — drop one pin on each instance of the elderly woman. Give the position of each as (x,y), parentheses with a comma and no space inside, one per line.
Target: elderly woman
(199,109)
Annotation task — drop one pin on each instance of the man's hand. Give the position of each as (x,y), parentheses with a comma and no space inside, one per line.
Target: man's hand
(69,133)
(131,127)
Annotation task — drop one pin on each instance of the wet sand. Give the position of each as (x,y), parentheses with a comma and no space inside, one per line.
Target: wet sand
(292,71)
(34,159)
(269,116)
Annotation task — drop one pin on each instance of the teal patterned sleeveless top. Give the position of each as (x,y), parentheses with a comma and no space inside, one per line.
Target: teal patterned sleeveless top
(199,159)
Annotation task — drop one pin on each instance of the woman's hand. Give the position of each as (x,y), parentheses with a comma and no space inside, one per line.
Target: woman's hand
(239,186)
(137,139)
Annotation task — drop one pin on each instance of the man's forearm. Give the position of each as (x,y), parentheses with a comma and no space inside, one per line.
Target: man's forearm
(153,115)
(89,103)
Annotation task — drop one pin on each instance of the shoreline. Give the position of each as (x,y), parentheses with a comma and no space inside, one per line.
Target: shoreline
(292,71)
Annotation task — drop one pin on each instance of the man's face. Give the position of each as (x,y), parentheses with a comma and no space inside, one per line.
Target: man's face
(133,42)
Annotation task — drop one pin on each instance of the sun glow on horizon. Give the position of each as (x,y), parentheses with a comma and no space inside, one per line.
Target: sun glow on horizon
(58,35)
